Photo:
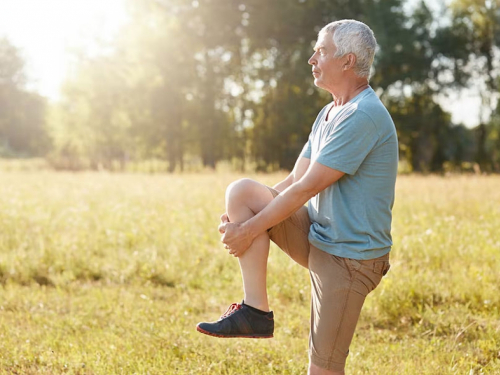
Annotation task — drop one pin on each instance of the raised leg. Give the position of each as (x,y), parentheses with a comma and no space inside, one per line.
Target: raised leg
(244,199)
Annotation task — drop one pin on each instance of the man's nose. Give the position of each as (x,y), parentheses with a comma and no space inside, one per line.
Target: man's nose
(312,60)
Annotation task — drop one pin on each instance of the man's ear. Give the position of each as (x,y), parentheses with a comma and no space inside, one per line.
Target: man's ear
(350,61)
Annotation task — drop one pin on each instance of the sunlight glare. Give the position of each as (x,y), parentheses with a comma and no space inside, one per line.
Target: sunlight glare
(47,31)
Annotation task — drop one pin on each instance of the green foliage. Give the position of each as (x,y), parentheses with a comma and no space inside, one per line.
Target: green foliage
(229,82)
(22,112)
(470,43)
(429,144)
(494,139)
(109,273)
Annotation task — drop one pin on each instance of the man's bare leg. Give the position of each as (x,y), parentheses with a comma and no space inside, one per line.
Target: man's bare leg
(244,199)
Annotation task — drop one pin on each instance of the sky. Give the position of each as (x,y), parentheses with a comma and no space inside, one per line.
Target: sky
(47,31)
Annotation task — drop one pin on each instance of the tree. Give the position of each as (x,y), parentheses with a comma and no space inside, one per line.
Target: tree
(218,79)
(403,72)
(22,131)
(470,45)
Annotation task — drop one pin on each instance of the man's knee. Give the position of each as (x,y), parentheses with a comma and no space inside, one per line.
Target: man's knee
(242,189)
(248,193)
(240,186)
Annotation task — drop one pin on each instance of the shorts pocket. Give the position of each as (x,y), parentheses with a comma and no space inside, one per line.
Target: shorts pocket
(381,267)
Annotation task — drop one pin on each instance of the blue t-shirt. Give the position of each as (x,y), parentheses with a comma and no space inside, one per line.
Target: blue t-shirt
(352,217)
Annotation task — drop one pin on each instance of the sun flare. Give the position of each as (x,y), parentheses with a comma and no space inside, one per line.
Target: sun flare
(47,30)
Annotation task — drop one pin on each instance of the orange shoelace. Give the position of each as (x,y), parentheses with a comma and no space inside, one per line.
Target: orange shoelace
(231,309)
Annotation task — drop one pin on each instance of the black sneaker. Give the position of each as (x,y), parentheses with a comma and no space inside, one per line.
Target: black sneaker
(240,320)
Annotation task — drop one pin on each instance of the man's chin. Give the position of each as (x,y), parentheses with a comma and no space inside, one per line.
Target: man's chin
(317,83)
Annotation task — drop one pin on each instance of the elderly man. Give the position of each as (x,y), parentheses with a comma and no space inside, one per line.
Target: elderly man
(347,171)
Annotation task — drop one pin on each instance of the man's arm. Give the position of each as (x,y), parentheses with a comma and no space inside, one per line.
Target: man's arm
(295,175)
(239,236)
(298,171)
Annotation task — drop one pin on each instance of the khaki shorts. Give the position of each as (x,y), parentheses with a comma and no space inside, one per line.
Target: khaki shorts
(338,289)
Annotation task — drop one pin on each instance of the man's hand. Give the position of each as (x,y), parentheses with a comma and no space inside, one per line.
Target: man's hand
(234,236)
(223,220)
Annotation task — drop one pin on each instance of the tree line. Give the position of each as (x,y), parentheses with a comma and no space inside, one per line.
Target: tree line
(197,83)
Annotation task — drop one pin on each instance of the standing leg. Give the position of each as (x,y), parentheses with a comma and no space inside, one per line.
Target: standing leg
(339,287)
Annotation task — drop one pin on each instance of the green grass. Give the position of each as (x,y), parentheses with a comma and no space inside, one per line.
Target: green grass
(109,274)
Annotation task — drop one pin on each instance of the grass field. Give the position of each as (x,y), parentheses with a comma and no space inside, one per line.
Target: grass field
(109,274)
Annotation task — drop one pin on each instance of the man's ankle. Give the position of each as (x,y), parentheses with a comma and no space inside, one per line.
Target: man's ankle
(257,307)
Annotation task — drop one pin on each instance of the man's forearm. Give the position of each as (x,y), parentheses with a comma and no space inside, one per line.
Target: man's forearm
(280,186)
(301,166)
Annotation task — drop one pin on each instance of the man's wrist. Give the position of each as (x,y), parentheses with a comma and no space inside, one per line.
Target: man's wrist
(250,228)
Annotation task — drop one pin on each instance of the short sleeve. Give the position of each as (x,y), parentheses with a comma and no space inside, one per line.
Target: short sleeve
(348,143)
(306,150)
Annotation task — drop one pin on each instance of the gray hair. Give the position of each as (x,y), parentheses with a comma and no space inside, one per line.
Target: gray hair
(350,36)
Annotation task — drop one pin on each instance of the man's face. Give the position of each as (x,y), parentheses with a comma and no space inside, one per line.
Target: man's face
(327,70)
